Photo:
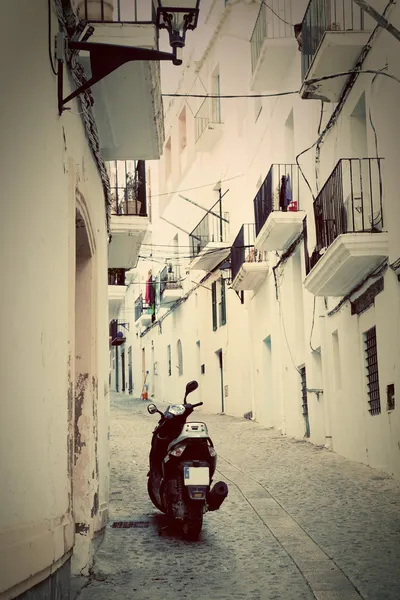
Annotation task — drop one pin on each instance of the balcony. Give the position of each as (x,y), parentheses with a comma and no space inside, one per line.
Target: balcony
(209,242)
(117,335)
(278,218)
(333,34)
(127,103)
(273,46)
(142,311)
(116,291)
(351,241)
(129,220)
(208,125)
(170,286)
(249,266)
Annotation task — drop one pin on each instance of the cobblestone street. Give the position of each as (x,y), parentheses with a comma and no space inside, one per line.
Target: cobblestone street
(299,522)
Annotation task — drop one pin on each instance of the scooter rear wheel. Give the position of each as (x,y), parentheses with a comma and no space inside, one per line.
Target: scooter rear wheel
(193,523)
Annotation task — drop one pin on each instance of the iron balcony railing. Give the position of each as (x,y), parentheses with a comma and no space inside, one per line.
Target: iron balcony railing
(212,228)
(130,198)
(328,15)
(140,307)
(170,279)
(209,112)
(349,202)
(116,276)
(270,24)
(243,249)
(279,191)
(117,11)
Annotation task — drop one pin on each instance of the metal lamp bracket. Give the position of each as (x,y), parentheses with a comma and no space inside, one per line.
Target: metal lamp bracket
(104,59)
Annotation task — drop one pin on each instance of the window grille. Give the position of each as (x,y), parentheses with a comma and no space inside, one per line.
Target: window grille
(371,359)
(223,303)
(304,391)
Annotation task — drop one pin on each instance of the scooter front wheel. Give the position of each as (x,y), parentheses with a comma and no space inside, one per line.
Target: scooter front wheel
(152,495)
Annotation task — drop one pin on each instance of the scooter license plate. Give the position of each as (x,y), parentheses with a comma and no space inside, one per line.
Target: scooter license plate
(196,475)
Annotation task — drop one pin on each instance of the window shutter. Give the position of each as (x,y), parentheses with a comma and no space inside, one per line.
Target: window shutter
(223,302)
(214,305)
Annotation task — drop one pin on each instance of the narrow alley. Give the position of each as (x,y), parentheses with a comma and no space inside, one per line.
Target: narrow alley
(299,522)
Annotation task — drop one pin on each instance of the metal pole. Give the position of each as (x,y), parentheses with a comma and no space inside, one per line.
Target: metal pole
(378,18)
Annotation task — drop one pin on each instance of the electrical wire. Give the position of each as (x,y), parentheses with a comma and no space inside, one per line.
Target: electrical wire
(276,14)
(230,96)
(49,38)
(198,187)
(380,269)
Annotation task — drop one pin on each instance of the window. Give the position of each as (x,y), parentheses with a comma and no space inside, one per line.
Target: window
(169,361)
(180,357)
(371,360)
(218,308)
(182,130)
(214,305)
(222,305)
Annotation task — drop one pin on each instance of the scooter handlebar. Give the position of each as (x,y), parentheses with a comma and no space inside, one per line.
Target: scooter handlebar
(198,404)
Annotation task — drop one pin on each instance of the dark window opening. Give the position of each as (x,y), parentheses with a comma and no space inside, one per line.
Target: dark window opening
(371,359)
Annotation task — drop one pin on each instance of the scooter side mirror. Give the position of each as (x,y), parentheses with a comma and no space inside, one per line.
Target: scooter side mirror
(190,387)
(152,409)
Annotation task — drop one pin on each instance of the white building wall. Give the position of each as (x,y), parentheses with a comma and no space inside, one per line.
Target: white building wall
(46,166)
(266,340)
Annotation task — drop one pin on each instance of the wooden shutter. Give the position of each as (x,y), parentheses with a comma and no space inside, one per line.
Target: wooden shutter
(214,305)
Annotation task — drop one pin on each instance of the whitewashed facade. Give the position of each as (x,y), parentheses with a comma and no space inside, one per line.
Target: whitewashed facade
(57,216)
(296,345)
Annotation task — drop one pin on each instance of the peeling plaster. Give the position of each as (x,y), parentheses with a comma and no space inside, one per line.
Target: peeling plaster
(81,528)
(81,385)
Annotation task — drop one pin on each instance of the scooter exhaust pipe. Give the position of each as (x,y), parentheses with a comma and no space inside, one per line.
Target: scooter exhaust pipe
(217,495)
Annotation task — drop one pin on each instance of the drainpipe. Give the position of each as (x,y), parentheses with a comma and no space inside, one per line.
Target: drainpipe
(326,398)
(116,369)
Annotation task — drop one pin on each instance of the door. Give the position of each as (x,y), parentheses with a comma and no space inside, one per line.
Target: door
(221,372)
(123,370)
(130,375)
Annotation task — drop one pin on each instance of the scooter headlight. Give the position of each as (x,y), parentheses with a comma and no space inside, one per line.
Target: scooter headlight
(176,409)
(212,451)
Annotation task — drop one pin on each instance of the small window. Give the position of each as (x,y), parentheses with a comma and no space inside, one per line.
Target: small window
(169,361)
(214,305)
(203,369)
(371,363)
(180,357)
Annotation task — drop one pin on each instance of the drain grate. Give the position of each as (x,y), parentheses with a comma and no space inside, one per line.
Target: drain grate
(129,524)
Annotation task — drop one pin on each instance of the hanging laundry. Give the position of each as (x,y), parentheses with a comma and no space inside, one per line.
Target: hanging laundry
(285,194)
(148,288)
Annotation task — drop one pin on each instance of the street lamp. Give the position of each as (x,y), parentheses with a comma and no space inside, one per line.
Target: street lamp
(177,18)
